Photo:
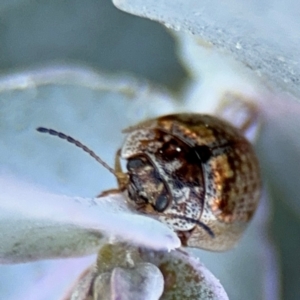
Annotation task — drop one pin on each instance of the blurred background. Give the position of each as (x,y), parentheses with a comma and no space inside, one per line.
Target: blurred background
(94,34)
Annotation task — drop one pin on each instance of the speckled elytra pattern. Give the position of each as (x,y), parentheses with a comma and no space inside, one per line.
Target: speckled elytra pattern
(197,174)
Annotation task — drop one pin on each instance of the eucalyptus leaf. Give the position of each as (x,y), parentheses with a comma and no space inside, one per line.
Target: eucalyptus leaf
(261,34)
(38,225)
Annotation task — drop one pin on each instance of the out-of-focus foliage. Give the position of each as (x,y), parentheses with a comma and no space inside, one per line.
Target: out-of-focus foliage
(92,33)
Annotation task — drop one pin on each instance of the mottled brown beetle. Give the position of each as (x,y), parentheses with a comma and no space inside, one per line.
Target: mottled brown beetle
(196,173)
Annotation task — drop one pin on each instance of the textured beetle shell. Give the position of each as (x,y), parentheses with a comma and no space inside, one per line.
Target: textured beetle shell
(230,176)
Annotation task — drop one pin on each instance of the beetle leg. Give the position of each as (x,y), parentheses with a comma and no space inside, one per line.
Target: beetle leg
(108,192)
(242,114)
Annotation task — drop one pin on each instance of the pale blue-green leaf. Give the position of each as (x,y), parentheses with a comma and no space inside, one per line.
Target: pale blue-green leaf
(261,34)
(38,225)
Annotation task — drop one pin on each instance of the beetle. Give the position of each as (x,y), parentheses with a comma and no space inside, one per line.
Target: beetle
(196,173)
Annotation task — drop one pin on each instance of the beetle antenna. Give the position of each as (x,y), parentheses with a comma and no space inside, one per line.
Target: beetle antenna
(79,145)
(191,220)
(197,222)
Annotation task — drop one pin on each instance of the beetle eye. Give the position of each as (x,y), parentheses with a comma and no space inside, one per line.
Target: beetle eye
(199,153)
(161,203)
(203,152)
(135,163)
(170,150)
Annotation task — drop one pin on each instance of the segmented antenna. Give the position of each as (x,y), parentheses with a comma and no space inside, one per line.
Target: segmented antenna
(188,219)
(78,144)
(197,222)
